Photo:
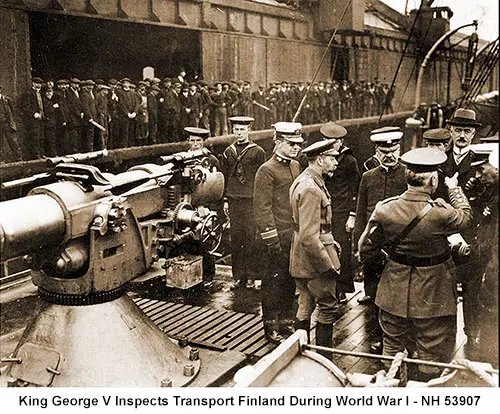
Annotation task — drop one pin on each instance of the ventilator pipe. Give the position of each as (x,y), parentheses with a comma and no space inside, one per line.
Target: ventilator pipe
(434,47)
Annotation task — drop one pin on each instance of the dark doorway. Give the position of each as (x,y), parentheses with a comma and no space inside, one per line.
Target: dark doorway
(65,46)
(340,64)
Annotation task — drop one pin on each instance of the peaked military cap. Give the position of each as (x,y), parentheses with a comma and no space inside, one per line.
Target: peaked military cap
(112,81)
(99,81)
(126,80)
(290,131)
(437,135)
(155,80)
(423,159)
(62,82)
(197,132)
(481,152)
(464,117)
(36,79)
(333,130)
(386,136)
(75,80)
(155,87)
(241,120)
(325,146)
(142,83)
(90,82)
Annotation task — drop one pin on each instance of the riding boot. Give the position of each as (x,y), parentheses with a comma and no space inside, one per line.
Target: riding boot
(324,337)
(304,325)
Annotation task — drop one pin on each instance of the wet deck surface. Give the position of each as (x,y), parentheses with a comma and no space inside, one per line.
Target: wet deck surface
(216,316)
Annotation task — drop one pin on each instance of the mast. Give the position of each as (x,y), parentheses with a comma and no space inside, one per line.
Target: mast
(434,47)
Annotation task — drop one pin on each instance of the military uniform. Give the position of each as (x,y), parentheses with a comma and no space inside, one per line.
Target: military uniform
(417,294)
(239,165)
(313,251)
(343,188)
(376,185)
(273,218)
(314,259)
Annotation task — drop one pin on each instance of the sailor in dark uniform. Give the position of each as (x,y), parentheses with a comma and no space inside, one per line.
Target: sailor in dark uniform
(417,293)
(240,162)
(273,217)
(314,257)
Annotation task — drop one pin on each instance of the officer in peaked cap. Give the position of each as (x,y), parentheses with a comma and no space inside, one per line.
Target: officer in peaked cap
(314,256)
(411,318)
(386,137)
(438,138)
(378,183)
(288,131)
(240,162)
(343,188)
(273,217)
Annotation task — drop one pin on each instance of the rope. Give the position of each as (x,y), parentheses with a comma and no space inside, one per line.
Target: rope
(476,368)
(388,379)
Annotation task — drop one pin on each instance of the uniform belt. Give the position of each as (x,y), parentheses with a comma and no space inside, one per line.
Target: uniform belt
(323,229)
(420,261)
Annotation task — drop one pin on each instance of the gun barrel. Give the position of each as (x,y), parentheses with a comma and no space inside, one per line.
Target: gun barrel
(22,231)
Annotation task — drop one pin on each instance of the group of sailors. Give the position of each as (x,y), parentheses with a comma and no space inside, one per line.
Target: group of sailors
(299,217)
(72,115)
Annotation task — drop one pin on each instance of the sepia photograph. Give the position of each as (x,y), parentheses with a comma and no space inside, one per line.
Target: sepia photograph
(262,200)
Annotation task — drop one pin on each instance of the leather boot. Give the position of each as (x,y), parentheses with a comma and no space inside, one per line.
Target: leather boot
(324,337)
(304,325)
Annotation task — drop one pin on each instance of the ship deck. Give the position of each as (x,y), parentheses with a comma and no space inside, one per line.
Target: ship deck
(215,317)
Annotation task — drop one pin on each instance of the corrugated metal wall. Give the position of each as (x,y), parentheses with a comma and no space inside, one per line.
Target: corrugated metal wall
(259,60)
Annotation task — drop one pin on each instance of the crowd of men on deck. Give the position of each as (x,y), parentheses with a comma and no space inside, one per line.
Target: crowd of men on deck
(299,217)
(73,115)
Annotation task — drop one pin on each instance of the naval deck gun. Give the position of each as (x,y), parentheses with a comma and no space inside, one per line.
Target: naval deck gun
(85,234)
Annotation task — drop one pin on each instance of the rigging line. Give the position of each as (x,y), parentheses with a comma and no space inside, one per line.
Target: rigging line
(487,66)
(321,61)
(477,76)
(386,102)
(482,75)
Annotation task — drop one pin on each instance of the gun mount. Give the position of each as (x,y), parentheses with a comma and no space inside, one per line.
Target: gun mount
(87,235)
